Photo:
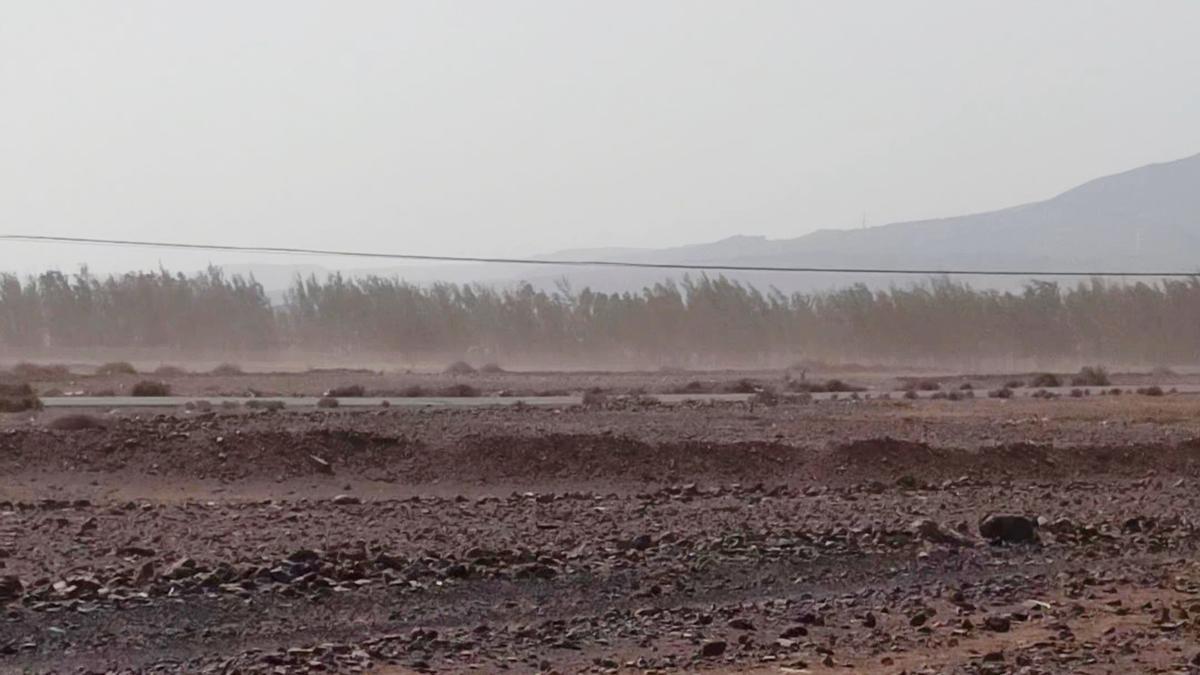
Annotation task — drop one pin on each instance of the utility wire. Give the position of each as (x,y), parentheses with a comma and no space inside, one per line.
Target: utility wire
(581,263)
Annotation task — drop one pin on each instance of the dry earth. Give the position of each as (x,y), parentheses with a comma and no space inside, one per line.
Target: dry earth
(838,536)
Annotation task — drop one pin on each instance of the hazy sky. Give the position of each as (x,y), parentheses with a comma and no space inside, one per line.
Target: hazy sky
(521,127)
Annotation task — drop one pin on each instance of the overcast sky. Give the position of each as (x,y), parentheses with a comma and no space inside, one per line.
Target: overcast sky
(520,127)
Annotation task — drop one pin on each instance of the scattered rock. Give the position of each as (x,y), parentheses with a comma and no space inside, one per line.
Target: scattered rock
(1008,529)
(997,623)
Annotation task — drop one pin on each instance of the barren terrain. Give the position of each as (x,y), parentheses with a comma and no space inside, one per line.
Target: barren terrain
(830,536)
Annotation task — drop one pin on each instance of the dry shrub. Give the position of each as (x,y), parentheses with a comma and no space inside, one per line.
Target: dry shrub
(150,388)
(1091,376)
(38,371)
(20,389)
(828,387)
(348,391)
(834,386)
(804,387)
(595,398)
(459,391)
(116,368)
(1077,393)
(227,369)
(1014,384)
(491,368)
(18,398)
(693,387)
(966,386)
(1152,390)
(327,402)
(414,391)
(911,394)
(742,386)
(1043,380)
(460,368)
(170,371)
(1002,392)
(77,422)
(928,385)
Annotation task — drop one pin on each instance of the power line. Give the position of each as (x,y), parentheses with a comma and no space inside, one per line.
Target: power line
(579,263)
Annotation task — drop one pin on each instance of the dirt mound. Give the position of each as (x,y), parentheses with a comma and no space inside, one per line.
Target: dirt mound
(578,456)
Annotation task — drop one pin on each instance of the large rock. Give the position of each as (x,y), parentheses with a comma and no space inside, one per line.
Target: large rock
(1008,529)
(10,588)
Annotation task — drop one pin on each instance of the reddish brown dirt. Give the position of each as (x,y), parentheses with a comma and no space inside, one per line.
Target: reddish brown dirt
(645,538)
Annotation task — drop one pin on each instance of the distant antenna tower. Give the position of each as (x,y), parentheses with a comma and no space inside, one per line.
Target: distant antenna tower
(864,220)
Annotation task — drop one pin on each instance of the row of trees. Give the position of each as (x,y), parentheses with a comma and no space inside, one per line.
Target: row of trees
(696,321)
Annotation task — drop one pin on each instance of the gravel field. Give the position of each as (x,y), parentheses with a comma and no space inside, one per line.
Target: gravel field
(897,536)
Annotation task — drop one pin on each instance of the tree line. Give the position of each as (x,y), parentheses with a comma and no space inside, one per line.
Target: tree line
(696,321)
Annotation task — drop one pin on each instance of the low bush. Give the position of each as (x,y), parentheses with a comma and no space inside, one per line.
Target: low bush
(459,391)
(116,368)
(37,371)
(227,369)
(834,386)
(693,387)
(460,368)
(928,385)
(348,391)
(170,371)
(911,394)
(18,398)
(150,388)
(76,422)
(742,386)
(1091,376)
(1043,380)
(327,402)
(1014,384)
(414,391)
(1002,392)
(491,368)
(1152,390)
(594,398)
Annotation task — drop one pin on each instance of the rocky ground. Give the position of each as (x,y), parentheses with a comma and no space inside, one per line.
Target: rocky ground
(625,537)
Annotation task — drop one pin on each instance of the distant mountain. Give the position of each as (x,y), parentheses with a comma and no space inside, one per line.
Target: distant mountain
(1146,219)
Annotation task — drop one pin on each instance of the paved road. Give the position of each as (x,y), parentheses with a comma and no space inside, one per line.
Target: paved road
(467,402)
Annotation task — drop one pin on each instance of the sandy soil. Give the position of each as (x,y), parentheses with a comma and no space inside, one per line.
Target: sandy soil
(830,537)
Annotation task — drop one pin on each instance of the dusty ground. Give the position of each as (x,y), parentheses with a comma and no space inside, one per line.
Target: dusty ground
(632,537)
